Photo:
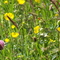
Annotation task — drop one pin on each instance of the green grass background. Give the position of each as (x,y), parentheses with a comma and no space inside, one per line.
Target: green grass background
(24,47)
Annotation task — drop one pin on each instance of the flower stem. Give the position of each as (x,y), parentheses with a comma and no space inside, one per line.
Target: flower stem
(58,45)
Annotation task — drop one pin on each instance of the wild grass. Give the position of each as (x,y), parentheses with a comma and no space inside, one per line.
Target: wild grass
(29,45)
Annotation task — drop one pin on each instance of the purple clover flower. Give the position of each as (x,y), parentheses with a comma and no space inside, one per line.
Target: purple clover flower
(1,44)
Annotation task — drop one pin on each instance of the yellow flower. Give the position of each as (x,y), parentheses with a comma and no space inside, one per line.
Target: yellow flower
(13,26)
(11,15)
(7,40)
(51,40)
(21,1)
(14,34)
(58,29)
(36,29)
(38,1)
(6,2)
(56,15)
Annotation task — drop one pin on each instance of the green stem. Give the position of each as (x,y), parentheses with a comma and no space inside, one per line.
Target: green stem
(58,45)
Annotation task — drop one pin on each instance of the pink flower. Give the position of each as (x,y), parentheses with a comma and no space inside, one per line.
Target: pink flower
(1,44)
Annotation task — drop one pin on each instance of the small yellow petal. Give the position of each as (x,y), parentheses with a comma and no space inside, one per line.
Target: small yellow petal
(7,40)
(36,29)
(11,15)
(52,41)
(14,34)
(58,29)
(13,26)
(38,1)
(21,1)
(6,2)
(56,15)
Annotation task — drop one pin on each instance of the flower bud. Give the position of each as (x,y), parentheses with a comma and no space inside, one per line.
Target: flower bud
(1,44)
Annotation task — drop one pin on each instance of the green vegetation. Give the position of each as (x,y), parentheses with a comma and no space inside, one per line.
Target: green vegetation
(30,29)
